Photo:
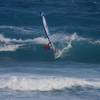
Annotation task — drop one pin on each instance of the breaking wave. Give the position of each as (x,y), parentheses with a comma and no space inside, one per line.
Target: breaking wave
(7,44)
(72,47)
(22,83)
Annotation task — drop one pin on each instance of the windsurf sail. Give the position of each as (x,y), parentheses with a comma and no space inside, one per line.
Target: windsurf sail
(47,31)
(57,52)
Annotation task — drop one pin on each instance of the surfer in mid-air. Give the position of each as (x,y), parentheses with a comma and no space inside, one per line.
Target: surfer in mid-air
(50,45)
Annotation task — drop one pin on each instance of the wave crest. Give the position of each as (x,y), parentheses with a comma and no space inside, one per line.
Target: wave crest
(44,83)
(72,47)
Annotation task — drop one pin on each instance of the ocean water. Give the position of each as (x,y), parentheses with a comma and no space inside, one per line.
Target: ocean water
(28,71)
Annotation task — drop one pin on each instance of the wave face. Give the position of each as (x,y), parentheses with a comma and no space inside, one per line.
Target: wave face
(73,47)
(31,83)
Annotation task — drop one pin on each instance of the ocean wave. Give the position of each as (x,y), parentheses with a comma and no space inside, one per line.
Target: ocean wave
(22,83)
(9,47)
(38,40)
(70,46)
(8,44)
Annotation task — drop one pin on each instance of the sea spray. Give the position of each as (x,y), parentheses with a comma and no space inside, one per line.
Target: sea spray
(22,83)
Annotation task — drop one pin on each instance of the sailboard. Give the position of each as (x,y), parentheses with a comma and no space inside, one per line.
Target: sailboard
(56,51)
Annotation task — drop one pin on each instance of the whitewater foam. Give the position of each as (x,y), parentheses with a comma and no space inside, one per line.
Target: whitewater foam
(22,83)
(8,44)
(9,47)
(41,40)
(65,42)
(38,40)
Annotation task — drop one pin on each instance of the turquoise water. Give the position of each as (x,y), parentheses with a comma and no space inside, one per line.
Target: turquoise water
(30,72)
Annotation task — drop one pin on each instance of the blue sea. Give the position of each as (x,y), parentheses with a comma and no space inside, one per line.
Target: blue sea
(28,71)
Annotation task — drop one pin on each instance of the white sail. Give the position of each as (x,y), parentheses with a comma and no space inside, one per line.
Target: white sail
(45,24)
(47,31)
(57,52)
